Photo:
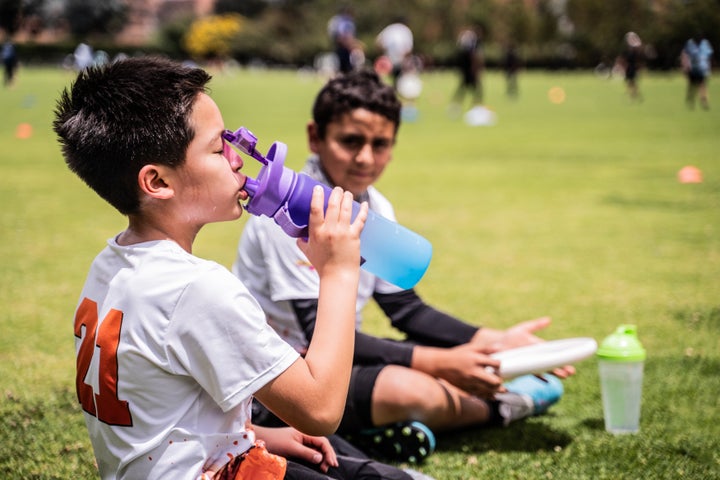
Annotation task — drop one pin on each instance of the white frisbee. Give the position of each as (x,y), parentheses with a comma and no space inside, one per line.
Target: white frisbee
(544,357)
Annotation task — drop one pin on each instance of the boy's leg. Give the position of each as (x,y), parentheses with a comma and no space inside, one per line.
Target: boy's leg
(298,471)
(353,465)
(365,469)
(350,468)
(399,439)
(403,394)
(703,94)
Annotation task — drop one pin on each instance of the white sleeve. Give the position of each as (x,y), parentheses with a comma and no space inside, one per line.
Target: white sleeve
(270,262)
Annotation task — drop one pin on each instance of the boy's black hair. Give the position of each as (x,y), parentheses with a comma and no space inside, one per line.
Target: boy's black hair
(353,90)
(117,118)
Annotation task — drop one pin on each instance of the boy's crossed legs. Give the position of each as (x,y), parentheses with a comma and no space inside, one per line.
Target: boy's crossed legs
(392,399)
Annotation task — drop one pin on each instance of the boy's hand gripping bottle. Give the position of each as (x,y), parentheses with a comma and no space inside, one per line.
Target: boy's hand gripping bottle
(388,250)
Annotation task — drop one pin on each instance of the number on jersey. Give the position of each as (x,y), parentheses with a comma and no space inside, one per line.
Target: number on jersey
(105,405)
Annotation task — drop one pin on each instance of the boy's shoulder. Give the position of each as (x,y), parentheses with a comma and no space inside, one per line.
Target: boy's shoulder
(159,261)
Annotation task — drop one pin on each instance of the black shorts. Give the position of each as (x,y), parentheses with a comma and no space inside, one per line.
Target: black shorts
(358,407)
(696,76)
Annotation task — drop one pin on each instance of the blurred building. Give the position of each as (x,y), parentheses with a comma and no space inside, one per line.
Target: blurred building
(145,16)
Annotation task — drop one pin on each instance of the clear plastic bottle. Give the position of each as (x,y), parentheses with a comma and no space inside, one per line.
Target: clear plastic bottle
(621,359)
(389,250)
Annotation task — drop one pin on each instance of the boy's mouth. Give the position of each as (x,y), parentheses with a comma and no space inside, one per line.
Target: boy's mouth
(243,195)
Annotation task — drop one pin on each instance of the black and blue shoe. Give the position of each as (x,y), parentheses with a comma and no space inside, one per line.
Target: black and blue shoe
(403,442)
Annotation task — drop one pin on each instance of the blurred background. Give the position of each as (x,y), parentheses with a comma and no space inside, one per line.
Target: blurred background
(548,34)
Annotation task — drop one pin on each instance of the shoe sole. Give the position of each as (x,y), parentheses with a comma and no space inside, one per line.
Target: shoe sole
(409,442)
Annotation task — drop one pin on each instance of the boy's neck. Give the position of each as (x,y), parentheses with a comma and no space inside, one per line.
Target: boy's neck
(141,232)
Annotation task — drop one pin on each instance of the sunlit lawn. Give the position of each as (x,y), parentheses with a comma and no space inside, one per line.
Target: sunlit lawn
(572,210)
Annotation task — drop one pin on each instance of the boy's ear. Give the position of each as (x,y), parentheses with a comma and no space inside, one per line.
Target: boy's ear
(151,179)
(313,138)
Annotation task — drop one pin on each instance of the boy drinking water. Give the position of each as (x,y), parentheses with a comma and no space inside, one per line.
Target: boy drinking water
(171,348)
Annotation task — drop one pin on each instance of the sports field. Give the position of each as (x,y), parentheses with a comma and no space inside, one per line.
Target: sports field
(569,208)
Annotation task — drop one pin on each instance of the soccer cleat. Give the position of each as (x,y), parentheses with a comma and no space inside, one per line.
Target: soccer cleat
(528,395)
(400,442)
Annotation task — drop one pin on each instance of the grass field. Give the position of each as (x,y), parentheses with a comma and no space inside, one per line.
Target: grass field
(573,210)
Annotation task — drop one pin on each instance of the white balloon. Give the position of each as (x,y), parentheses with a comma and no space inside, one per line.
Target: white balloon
(409,86)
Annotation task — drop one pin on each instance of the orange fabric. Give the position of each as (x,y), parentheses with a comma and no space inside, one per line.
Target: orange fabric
(255,464)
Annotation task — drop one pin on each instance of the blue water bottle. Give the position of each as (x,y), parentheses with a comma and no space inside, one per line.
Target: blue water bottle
(388,250)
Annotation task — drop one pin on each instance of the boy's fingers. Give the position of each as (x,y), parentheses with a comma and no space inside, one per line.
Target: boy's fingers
(346,206)
(361,216)
(334,205)
(316,206)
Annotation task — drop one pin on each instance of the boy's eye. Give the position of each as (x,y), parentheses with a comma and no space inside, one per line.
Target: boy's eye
(358,142)
(353,142)
(381,144)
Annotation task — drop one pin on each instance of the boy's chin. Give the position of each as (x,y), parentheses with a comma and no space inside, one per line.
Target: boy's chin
(231,216)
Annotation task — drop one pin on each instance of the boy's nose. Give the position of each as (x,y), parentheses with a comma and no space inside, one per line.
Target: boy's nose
(365,154)
(235,160)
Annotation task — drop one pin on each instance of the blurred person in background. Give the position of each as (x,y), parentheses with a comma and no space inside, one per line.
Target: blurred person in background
(511,66)
(696,60)
(471,64)
(348,50)
(630,61)
(10,62)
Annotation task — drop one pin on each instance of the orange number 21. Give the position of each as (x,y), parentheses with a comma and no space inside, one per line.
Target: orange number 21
(104,405)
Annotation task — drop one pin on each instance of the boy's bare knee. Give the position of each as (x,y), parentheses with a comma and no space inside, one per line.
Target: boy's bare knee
(405,390)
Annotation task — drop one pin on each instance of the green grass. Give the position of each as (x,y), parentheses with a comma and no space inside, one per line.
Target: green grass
(571,210)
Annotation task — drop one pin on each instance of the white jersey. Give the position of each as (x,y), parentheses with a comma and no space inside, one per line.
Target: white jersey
(276,271)
(170,349)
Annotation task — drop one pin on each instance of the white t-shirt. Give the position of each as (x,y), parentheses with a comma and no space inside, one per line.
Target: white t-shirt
(276,271)
(166,376)
(397,41)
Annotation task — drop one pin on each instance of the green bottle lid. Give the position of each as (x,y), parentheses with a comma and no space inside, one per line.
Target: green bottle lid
(622,346)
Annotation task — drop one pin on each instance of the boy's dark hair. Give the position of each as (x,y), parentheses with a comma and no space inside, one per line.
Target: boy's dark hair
(117,118)
(353,90)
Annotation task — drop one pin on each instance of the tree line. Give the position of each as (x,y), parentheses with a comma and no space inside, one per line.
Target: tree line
(547,33)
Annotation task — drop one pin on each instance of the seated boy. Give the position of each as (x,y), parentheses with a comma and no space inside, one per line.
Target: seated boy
(440,376)
(172,348)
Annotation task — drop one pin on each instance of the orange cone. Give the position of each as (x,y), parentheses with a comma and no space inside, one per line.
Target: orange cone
(23,131)
(690,174)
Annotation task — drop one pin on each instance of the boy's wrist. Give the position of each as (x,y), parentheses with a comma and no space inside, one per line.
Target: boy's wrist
(426,359)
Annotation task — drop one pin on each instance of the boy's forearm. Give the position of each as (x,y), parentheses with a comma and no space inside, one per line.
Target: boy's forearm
(330,353)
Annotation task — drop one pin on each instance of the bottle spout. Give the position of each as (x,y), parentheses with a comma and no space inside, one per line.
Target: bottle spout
(251,186)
